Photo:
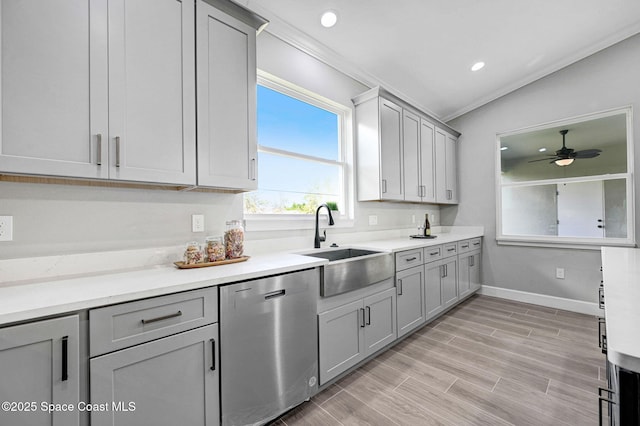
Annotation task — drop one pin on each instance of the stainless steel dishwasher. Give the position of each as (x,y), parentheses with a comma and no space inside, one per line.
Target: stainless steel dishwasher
(268,346)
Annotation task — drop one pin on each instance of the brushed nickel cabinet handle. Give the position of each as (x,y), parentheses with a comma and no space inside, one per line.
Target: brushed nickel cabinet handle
(99,155)
(399,287)
(117,151)
(384,186)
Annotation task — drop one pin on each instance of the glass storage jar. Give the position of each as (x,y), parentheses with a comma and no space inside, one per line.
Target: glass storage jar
(193,253)
(215,250)
(234,239)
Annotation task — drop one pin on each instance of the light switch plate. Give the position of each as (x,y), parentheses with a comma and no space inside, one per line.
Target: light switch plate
(197,223)
(560,273)
(373,219)
(6,228)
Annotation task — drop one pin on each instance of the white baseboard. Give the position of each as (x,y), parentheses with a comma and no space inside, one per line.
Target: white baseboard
(579,306)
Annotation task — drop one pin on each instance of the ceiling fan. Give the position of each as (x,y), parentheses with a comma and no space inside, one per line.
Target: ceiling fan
(565,156)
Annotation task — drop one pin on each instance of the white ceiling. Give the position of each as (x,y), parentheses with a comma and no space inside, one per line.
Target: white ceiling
(422,50)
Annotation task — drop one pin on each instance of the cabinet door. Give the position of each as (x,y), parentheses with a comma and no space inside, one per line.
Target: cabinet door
(410,299)
(474,272)
(54,87)
(152,91)
(39,362)
(464,277)
(433,290)
(411,156)
(341,339)
(450,282)
(391,169)
(451,160)
(380,320)
(446,168)
(427,161)
(170,381)
(226,68)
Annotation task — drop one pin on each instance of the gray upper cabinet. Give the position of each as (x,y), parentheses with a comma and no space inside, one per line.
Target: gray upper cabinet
(446,153)
(99,89)
(152,91)
(39,364)
(379,150)
(401,154)
(226,69)
(54,88)
(411,156)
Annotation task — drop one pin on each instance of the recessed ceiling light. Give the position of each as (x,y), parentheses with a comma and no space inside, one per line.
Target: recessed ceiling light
(504,148)
(477,66)
(542,149)
(328,19)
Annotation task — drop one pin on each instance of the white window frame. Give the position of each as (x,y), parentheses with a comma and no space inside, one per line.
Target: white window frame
(570,242)
(268,222)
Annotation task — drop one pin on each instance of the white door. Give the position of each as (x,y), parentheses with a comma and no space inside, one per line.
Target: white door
(580,209)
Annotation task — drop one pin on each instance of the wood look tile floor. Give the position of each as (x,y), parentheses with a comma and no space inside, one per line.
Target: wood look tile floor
(488,361)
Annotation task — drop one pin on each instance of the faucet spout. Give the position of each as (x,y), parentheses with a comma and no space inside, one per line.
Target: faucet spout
(318,239)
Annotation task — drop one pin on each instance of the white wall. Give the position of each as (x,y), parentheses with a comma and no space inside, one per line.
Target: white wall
(59,219)
(608,79)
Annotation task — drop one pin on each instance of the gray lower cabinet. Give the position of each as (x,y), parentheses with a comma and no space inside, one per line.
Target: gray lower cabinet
(410,299)
(170,381)
(39,366)
(351,332)
(433,289)
(155,361)
(449,282)
(468,273)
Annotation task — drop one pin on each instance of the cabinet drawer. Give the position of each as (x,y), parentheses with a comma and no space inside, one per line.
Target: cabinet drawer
(475,244)
(464,246)
(432,253)
(450,250)
(120,326)
(407,259)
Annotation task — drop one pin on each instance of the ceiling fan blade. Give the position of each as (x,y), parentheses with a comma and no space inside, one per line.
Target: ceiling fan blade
(543,159)
(588,153)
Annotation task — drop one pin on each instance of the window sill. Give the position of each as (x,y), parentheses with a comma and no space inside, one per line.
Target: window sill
(292,222)
(566,243)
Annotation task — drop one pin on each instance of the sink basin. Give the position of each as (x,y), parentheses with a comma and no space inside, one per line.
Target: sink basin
(350,269)
(348,253)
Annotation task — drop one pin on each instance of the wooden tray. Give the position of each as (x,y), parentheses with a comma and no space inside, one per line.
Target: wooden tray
(181,265)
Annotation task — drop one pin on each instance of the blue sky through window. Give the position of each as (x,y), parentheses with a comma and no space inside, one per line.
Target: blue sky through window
(287,184)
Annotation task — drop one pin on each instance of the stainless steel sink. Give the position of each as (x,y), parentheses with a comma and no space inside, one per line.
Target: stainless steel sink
(350,269)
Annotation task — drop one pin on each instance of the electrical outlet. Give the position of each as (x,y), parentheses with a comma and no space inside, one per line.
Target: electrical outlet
(413,218)
(560,273)
(373,219)
(6,228)
(197,223)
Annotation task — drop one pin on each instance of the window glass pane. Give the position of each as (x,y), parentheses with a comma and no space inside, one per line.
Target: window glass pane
(292,125)
(615,208)
(291,185)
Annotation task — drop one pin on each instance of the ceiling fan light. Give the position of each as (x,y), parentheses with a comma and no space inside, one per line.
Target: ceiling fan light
(564,161)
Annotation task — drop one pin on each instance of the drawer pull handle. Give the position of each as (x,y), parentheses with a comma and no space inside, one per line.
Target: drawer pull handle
(476,244)
(368,315)
(411,259)
(164,317)
(274,294)
(433,253)
(465,246)
(451,249)
(65,358)
(213,355)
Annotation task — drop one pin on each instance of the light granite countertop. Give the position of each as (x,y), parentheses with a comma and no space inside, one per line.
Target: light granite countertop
(621,273)
(30,299)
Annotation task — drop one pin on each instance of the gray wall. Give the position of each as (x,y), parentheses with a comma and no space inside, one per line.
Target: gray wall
(608,79)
